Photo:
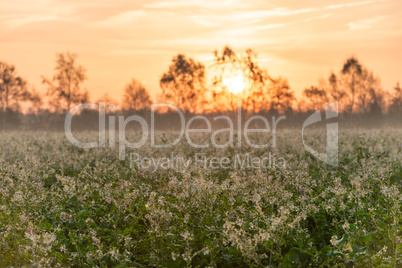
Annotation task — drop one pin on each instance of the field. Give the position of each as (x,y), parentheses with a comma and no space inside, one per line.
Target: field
(61,205)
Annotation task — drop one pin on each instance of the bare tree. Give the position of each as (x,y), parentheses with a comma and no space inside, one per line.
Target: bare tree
(65,87)
(184,84)
(316,97)
(355,88)
(261,91)
(396,100)
(282,97)
(361,88)
(36,101)
(351,71)
(334,89)
(12,90)
(254,80)
(370,97)
(136,97)
(258,81)
(225,65)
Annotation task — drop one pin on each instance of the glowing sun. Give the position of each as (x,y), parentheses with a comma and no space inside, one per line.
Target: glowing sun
(235,83)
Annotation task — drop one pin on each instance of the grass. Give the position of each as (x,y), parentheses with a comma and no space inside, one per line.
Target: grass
(65,206)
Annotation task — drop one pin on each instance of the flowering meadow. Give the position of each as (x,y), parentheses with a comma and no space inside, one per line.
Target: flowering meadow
(63,206)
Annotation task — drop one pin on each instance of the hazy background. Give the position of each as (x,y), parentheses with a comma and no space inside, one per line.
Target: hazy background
(115,41)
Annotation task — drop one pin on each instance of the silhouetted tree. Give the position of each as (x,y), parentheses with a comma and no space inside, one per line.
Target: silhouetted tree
(36,101)
(282,97)
(316,97)
(261,92)
(12,90)
(355,88)
(351,71)
(184,84)
(334,89)
(361,88)
(108,99)
(226,65)
(65,87)
(258,80)
(136,97)
(370,96)
(396,100)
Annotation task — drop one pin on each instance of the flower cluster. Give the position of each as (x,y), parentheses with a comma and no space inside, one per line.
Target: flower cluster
(65,206)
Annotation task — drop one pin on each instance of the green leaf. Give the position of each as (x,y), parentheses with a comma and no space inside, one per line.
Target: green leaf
(294,255)
(267,245)
(356,248)
(82,214)
(81,223)
(305,256)
(208,243)
(227,256)
(335,253)
(381,225)
(366,238)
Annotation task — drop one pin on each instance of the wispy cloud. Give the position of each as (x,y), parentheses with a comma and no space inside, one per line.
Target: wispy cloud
(246,16)
(352,4)
(18,13)
(125,32)
(127,17)
(366,23)
(210,4)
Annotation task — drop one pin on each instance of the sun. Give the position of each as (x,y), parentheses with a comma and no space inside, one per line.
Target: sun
(235,83)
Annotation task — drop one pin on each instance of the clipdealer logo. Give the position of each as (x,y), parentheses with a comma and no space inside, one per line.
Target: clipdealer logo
(330,156)
(331,148)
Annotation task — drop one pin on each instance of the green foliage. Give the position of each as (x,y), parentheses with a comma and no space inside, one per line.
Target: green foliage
(65,206)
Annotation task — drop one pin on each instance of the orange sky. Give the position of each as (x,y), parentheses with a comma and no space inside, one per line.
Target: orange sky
(119,40)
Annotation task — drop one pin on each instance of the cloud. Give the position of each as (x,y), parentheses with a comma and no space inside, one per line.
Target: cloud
(246,17)
(121,19)
(16,21)
(366,23)
(18,13)
(144,34)
(209,4)
(348,5)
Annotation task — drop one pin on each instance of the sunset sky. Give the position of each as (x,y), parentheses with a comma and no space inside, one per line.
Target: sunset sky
(119,40)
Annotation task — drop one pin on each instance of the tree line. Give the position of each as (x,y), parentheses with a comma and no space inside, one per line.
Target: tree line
(356,88)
